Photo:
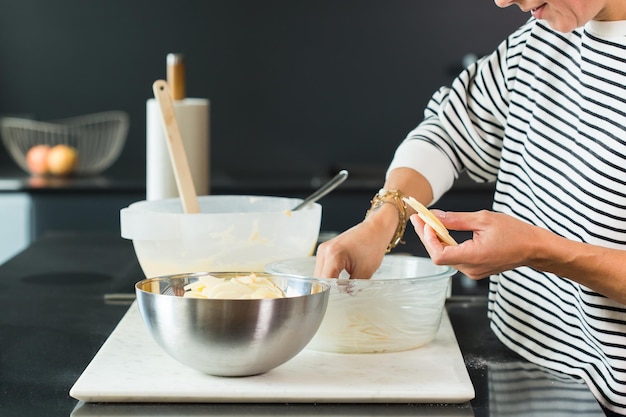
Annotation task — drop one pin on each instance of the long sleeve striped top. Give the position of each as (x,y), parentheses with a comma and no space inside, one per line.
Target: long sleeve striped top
(544,116)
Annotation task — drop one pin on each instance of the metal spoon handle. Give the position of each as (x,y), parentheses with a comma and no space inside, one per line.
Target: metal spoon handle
(324,189)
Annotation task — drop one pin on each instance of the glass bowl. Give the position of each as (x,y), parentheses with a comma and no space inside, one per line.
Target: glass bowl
(399,308)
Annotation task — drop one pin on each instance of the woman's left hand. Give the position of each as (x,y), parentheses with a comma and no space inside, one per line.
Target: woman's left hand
(500,242)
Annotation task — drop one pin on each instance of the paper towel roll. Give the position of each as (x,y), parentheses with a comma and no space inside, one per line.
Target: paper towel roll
(193,116)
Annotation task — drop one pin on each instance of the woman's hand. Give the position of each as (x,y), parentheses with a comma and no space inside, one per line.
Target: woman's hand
(499,243)
(359,250)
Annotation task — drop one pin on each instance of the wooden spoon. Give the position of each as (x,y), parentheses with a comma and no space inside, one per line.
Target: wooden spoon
(182,174)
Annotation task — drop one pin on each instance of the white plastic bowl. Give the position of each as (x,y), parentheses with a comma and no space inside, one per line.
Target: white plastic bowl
(231,233)
(399,308)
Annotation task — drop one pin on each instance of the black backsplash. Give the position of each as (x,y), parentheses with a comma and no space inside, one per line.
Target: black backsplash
(294,84)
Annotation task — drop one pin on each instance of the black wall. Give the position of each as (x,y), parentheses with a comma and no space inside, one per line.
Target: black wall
(317,81)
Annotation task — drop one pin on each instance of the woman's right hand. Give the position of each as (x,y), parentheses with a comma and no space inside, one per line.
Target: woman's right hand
(355,250)
(360,249)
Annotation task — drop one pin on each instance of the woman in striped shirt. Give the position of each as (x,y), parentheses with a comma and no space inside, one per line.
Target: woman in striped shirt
(544,116)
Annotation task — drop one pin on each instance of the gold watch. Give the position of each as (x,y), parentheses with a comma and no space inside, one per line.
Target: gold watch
(392,197)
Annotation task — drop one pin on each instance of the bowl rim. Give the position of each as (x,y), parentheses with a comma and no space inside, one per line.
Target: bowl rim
(324,284)
(146,206)
(446,270)
(137,215)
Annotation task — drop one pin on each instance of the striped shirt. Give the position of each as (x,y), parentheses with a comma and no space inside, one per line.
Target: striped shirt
(544,116)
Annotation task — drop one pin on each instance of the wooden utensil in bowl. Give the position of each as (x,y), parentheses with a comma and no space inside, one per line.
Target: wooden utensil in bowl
(182,173)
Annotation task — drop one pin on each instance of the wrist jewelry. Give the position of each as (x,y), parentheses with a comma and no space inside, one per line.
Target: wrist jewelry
(392,197)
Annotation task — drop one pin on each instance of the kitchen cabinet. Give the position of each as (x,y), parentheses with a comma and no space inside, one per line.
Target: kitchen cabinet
(79,211)
(15,224)
(31,207)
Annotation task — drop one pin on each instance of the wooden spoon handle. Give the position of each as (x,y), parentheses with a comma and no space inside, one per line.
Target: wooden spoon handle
(182,174)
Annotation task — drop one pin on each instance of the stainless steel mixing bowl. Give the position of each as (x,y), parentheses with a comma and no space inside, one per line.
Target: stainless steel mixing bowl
(232,337)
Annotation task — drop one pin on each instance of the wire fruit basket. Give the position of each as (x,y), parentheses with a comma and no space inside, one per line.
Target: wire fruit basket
(99,138)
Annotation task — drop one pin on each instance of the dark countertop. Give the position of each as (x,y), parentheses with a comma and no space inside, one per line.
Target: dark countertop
(54,318)
(130,176)
(120,178)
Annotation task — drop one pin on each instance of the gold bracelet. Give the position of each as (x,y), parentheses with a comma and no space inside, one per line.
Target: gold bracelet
(393,197)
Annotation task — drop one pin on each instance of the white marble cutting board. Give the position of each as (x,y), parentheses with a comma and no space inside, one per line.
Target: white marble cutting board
(131,367)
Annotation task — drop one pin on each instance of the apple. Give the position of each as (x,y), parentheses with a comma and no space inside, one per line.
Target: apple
(62,160)
(37,159)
